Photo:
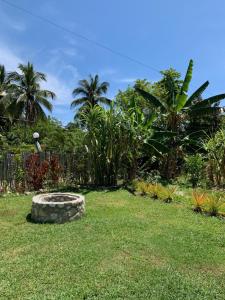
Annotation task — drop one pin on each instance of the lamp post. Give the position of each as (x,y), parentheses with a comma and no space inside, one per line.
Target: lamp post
(37,144)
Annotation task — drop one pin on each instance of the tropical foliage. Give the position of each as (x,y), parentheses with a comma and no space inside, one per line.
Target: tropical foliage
(215,148)
(151,129)
(92,93)
(194,167)
(175,108)
(28,99)
(5,88)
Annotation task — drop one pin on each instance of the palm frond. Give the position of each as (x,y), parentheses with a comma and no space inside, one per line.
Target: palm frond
(104,100)
(46,94)
(45,103)
(102,88)
(80,91)
(78,101)
(91,92)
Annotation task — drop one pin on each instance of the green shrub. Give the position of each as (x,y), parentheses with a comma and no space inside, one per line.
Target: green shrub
(216,158)
(19,174)
(141,187)
(166,193)
(194,167)
(153,177)
(213,204)
(155,191)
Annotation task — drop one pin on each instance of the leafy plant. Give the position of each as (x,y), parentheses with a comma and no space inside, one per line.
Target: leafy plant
(141,187)
(166,194)
(92,93)
(19,174)
(215,148)
(36,171)
(55,169)
(175,108)
(28,99)
(213,204)
(154,190)
(199,200)
(194,167)
(153,177)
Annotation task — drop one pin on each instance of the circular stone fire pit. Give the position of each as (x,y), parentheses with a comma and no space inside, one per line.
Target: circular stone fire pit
(57,207)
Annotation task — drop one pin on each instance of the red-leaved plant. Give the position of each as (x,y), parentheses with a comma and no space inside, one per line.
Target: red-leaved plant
(36,171)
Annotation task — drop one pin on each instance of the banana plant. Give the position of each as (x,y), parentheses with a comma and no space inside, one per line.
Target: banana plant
(176,109)
(143,139)
(180,103)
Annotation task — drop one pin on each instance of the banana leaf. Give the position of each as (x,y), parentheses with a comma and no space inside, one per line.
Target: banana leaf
(197,93)
(209,101)
(153,100)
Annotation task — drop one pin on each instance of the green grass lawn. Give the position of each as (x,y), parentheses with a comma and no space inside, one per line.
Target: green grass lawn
(125,247)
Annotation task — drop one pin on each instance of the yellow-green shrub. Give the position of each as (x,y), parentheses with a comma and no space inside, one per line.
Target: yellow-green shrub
(213,204)
(166,193)
(155,191)
(141,187)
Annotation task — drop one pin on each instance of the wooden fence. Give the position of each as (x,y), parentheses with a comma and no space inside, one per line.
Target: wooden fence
(13,168)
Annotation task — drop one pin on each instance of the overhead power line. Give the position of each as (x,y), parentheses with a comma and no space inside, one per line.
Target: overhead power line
(81,36)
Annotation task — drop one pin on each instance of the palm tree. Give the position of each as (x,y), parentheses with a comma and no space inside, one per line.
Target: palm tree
(3,81)
(4,85)
(91,92)
(4,96)
(176,107)
(29,99)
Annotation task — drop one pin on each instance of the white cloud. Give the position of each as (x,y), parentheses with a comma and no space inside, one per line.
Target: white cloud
(54,82)
(126,80)
(9,59)
(61,89)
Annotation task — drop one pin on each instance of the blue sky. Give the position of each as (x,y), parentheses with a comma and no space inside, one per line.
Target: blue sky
(159,33)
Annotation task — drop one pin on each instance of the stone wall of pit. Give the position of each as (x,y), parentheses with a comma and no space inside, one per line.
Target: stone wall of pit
(46,210)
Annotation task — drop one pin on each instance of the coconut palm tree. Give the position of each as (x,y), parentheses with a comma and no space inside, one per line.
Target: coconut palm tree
(29,99)
(4,96)
(4,86)
(91,92)
(3,81)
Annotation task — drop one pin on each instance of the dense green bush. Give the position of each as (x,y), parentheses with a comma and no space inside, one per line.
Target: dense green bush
(215,148)
(194,167)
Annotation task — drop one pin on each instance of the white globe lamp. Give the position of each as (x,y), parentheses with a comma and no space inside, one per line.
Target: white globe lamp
(37,144)
(36,135)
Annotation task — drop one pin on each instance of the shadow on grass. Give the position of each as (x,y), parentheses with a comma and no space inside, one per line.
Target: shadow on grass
(86,189)
(29,219)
